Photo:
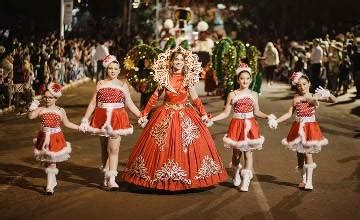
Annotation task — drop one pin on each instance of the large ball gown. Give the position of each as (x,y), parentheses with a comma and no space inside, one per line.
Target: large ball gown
(175,151)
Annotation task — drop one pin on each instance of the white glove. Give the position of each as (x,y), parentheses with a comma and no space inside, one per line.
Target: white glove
(84,126)
(34,105)
(323,93)
(272,121)
(142,121)
(205,119)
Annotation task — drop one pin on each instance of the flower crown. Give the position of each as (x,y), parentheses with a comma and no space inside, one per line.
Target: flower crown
(55,89)
(243,67)
(109,59)
(295,76)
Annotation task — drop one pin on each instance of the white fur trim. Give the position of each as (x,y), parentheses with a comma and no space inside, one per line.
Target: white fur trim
(50,170)
(301,145)
(246,144)
(51,156)
(310,165)
(107,130)
(120,132)
(111,173)
(247,172)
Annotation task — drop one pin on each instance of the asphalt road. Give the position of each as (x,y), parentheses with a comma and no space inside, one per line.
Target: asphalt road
(273,192)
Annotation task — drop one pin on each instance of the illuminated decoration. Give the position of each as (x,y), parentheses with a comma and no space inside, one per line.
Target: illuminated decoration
(227,55)
(252,56)
(225,63)
(142,81)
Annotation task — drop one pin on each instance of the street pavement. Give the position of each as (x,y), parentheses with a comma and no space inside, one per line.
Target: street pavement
(273,192)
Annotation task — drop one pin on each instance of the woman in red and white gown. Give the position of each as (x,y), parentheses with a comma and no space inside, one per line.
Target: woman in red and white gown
(305,136)
(175,151)
(109,118)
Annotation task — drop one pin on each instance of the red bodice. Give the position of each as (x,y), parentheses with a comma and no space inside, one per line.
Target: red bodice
(50,119)
(304,109)
(110,95)
(243,105)
(182,92)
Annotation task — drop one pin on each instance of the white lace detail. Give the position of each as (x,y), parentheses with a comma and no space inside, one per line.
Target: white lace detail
(161,68)
(171,170)
(159,131)
(208,168)
(138,168)
(189,132)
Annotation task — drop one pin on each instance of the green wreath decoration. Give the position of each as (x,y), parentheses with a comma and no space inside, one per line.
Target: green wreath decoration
(143,83)
(225,59)
(252,54)
(170,44)
(240,49)
(224,63)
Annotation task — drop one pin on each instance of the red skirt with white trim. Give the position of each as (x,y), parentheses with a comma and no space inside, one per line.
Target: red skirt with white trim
(244,135)
(112,122)
(52,149)
(305,138)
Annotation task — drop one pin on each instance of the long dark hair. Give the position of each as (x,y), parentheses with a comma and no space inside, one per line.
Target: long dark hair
(172,58)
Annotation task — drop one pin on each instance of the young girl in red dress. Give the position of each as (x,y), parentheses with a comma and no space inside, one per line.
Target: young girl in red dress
(305,136)
(175,151)
(106,116)
(243,134)
(50,145)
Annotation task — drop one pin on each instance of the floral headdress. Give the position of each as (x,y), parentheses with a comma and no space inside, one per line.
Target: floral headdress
(109,59)
(243,67)
(55,89)
(162,69)
(295,76)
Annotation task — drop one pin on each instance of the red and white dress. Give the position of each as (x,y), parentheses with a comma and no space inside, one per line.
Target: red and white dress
(305,135)
(243,132)
(110,115)
(50,145)
(175,151)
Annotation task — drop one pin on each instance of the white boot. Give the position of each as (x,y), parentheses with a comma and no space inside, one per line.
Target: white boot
(106,178)
(247,175)
(51,179)
(236,175)
(302,172)
(309,173)
(111,174)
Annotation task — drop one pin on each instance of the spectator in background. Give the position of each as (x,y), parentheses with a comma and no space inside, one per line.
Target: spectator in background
(315,65)
(271,61)
(29,79)
(334,59)
(355,63)
(101,52)
(7,76)
(344,74)
(19,78)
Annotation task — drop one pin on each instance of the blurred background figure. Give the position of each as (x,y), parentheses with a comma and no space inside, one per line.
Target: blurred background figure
(271,61)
